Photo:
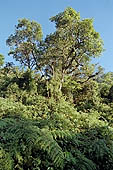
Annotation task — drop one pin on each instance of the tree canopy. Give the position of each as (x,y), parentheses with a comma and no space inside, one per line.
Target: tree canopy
(24,42)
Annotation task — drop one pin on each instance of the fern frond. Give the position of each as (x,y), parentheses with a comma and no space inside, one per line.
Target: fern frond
(78,161)
(61,134)
(43,140)
(48,144)
(99,149)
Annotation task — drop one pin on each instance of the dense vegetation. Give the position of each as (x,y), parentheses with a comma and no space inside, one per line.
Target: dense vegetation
(56,108)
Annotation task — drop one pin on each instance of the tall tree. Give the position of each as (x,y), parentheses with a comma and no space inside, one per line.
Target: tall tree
(72,46)
(25,42)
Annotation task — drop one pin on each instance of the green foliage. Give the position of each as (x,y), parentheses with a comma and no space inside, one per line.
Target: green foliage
(32,147)
(5,160)
(75,42)
(25,140)
(24,41)
(56,113)
(1,59)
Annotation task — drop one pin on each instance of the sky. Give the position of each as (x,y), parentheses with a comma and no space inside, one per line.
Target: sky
(41,10)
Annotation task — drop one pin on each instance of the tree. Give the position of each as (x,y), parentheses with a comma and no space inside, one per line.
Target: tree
(72,46)
(25,43)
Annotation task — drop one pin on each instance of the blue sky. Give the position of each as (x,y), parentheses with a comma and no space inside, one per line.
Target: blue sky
(42,10)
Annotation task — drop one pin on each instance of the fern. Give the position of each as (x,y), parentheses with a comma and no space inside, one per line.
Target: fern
(62,134)
(46,143)
(78,161)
